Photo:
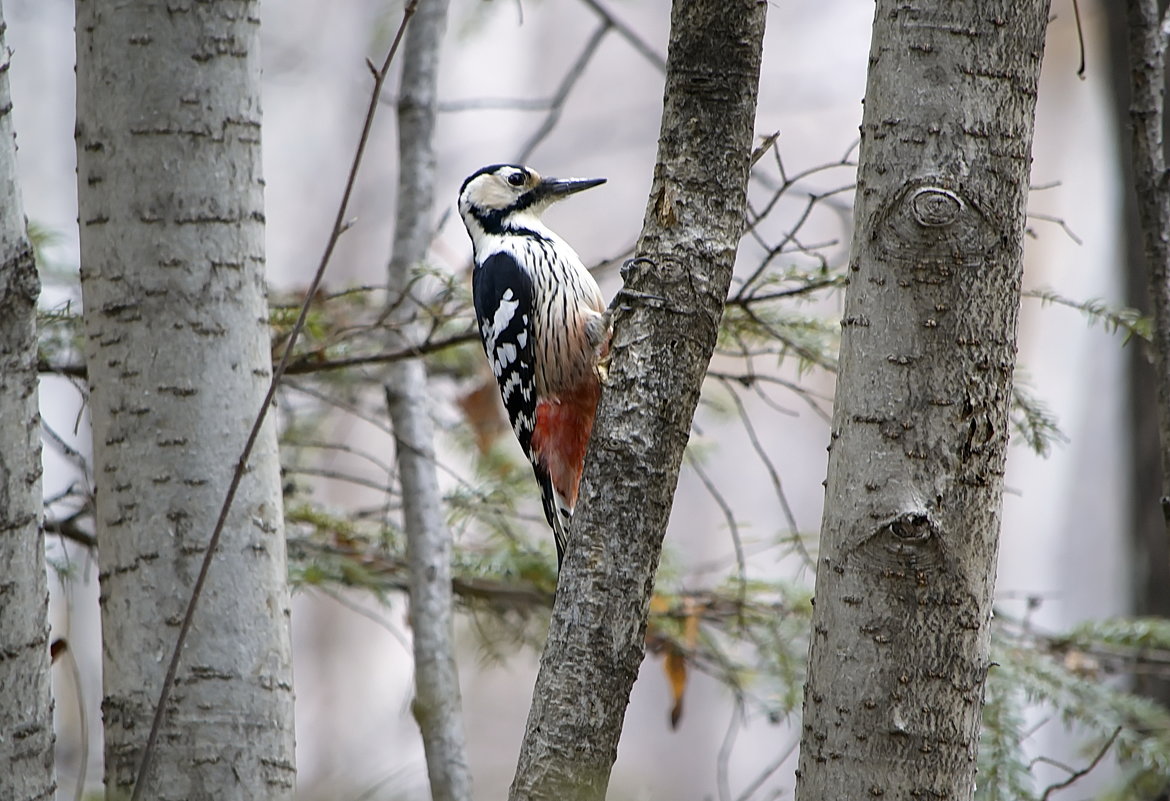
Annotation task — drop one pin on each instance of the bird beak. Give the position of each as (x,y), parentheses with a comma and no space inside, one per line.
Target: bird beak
(553,189)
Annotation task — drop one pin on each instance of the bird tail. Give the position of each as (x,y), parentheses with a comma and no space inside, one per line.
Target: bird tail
(557,511)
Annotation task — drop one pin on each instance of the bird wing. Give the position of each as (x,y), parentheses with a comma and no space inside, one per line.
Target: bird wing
(503,296)
(502,292)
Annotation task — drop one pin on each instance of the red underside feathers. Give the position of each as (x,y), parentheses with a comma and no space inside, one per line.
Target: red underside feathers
(561,436)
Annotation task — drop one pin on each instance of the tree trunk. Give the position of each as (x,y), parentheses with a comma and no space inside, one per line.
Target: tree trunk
(1151,542)
(172,254)
(910,532)
(437,705)
(1147,85)
(26,707)
(666,321)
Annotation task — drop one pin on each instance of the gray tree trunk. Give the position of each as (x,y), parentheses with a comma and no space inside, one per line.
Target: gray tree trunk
(171,211)
(1146,42)
(26,707)
(666,321)
(910,532)
(1150,538)
(437,705)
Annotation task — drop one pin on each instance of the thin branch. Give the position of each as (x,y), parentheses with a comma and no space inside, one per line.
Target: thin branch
(76,457)
(1080,774)
(567,83)
(77,370)
(732,525)
(67,528)
(497,103)
(627,33)
(339,225)
(342,448)
(1064,226)
(768,770)
(739,299)
(773,473)
(722,762)
(315,362)
(368,614)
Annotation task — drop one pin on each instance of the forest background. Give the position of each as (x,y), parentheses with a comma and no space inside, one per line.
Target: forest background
(1065,553)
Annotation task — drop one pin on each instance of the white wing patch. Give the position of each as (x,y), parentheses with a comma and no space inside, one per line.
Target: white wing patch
(505,354)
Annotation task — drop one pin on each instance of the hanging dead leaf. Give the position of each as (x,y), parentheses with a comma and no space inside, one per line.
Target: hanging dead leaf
(676,673)
(675,664)
(659,604)
(481,407)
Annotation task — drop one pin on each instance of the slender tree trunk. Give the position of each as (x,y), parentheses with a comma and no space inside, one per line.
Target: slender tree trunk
(1147,84)
(900,636)
(437,706)
(26,707)
(666,322)
(1151,543)
(172,255)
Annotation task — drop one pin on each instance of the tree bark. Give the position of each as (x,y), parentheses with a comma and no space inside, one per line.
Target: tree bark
(437,705)
(1150,538)
(26,706)
(1147,76)
(899,647)
(172,252)
(666,321)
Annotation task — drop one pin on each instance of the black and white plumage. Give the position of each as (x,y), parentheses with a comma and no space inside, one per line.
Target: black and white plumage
(543,323)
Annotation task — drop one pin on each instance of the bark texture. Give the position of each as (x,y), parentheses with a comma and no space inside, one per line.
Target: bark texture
(1147,61)
(172,255)
(899,649)
(26,707)
(1150,535)
(437,704)
(666,320)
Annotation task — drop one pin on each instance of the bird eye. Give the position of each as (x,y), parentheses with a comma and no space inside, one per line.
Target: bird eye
(517,179)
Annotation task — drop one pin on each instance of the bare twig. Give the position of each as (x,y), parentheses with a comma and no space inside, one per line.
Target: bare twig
(723,761)
(773,473)
(1064,226)
(316,361)
(627,33)
(732,524)
(768,770)
(1077,775)
(339,226)
(310,363)
(67,528)
(567,83)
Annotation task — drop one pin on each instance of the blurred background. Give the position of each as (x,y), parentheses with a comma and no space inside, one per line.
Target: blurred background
(1070,519)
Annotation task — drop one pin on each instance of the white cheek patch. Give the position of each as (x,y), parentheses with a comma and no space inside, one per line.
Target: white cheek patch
(489,192)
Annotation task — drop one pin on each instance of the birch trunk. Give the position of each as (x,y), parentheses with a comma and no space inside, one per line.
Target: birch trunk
(437,705)
(910,533)
(172,253)
(26,707)
(665,326)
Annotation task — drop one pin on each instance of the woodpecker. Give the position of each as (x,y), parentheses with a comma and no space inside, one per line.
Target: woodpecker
(544,325)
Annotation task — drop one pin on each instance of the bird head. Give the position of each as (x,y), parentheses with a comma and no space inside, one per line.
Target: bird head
(504,197)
